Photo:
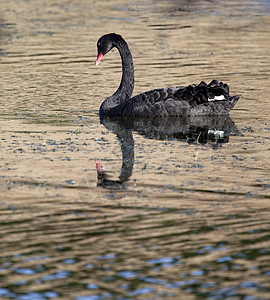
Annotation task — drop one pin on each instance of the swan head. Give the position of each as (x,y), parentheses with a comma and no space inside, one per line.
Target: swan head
(105,44)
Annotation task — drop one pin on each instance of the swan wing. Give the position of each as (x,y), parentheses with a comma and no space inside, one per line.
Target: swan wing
(193,100)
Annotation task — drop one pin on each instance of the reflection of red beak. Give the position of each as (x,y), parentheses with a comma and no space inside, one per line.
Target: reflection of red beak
(99,58)
(98,165)
(99,169)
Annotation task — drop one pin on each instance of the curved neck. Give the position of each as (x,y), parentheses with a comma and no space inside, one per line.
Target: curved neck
(125,89)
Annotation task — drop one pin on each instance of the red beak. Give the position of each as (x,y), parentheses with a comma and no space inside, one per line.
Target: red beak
(99,58)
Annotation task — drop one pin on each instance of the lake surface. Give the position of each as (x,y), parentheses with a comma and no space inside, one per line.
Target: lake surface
(141,209)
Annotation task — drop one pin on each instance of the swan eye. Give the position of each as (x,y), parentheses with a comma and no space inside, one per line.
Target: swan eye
(98,43)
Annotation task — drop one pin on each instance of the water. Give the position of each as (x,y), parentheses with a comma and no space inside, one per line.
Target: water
(179,209)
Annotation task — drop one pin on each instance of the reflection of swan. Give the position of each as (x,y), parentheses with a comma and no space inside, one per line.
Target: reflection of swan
(193,100)
(202,130)
(125,138)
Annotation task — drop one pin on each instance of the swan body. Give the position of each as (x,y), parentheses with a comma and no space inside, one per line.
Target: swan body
(194,100)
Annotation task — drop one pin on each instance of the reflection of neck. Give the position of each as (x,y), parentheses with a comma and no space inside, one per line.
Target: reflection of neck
(127,147)
(126,86)
(125,138)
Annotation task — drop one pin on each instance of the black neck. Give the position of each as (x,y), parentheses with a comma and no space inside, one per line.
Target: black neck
(126,86)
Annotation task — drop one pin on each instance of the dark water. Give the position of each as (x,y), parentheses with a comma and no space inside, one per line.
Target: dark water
(133,209)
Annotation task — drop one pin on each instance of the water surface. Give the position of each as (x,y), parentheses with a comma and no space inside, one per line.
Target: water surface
(180,208)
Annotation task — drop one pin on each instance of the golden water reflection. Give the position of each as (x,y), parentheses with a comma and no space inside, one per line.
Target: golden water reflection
(189,215)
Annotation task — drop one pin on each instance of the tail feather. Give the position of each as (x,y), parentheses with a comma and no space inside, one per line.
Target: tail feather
(233,100)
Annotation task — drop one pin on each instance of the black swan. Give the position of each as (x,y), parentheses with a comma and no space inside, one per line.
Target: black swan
(194,100)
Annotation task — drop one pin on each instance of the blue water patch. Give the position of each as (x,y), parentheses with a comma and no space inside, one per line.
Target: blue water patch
(69,261)
(237,267)
(17,255)
(153,280)
(50,294)
(223,293)
(241,255)
(25,271)
(209,248)
(92,286)
(197,273)
(207,285)
(31,296)
(94,297)
(6,293)
(182,283)
(225,258)
(107,256)
(165,262)
(250,285)
(141,291)
(127,274)
(124,286)
(89,265)
(60,274)
(160,260)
